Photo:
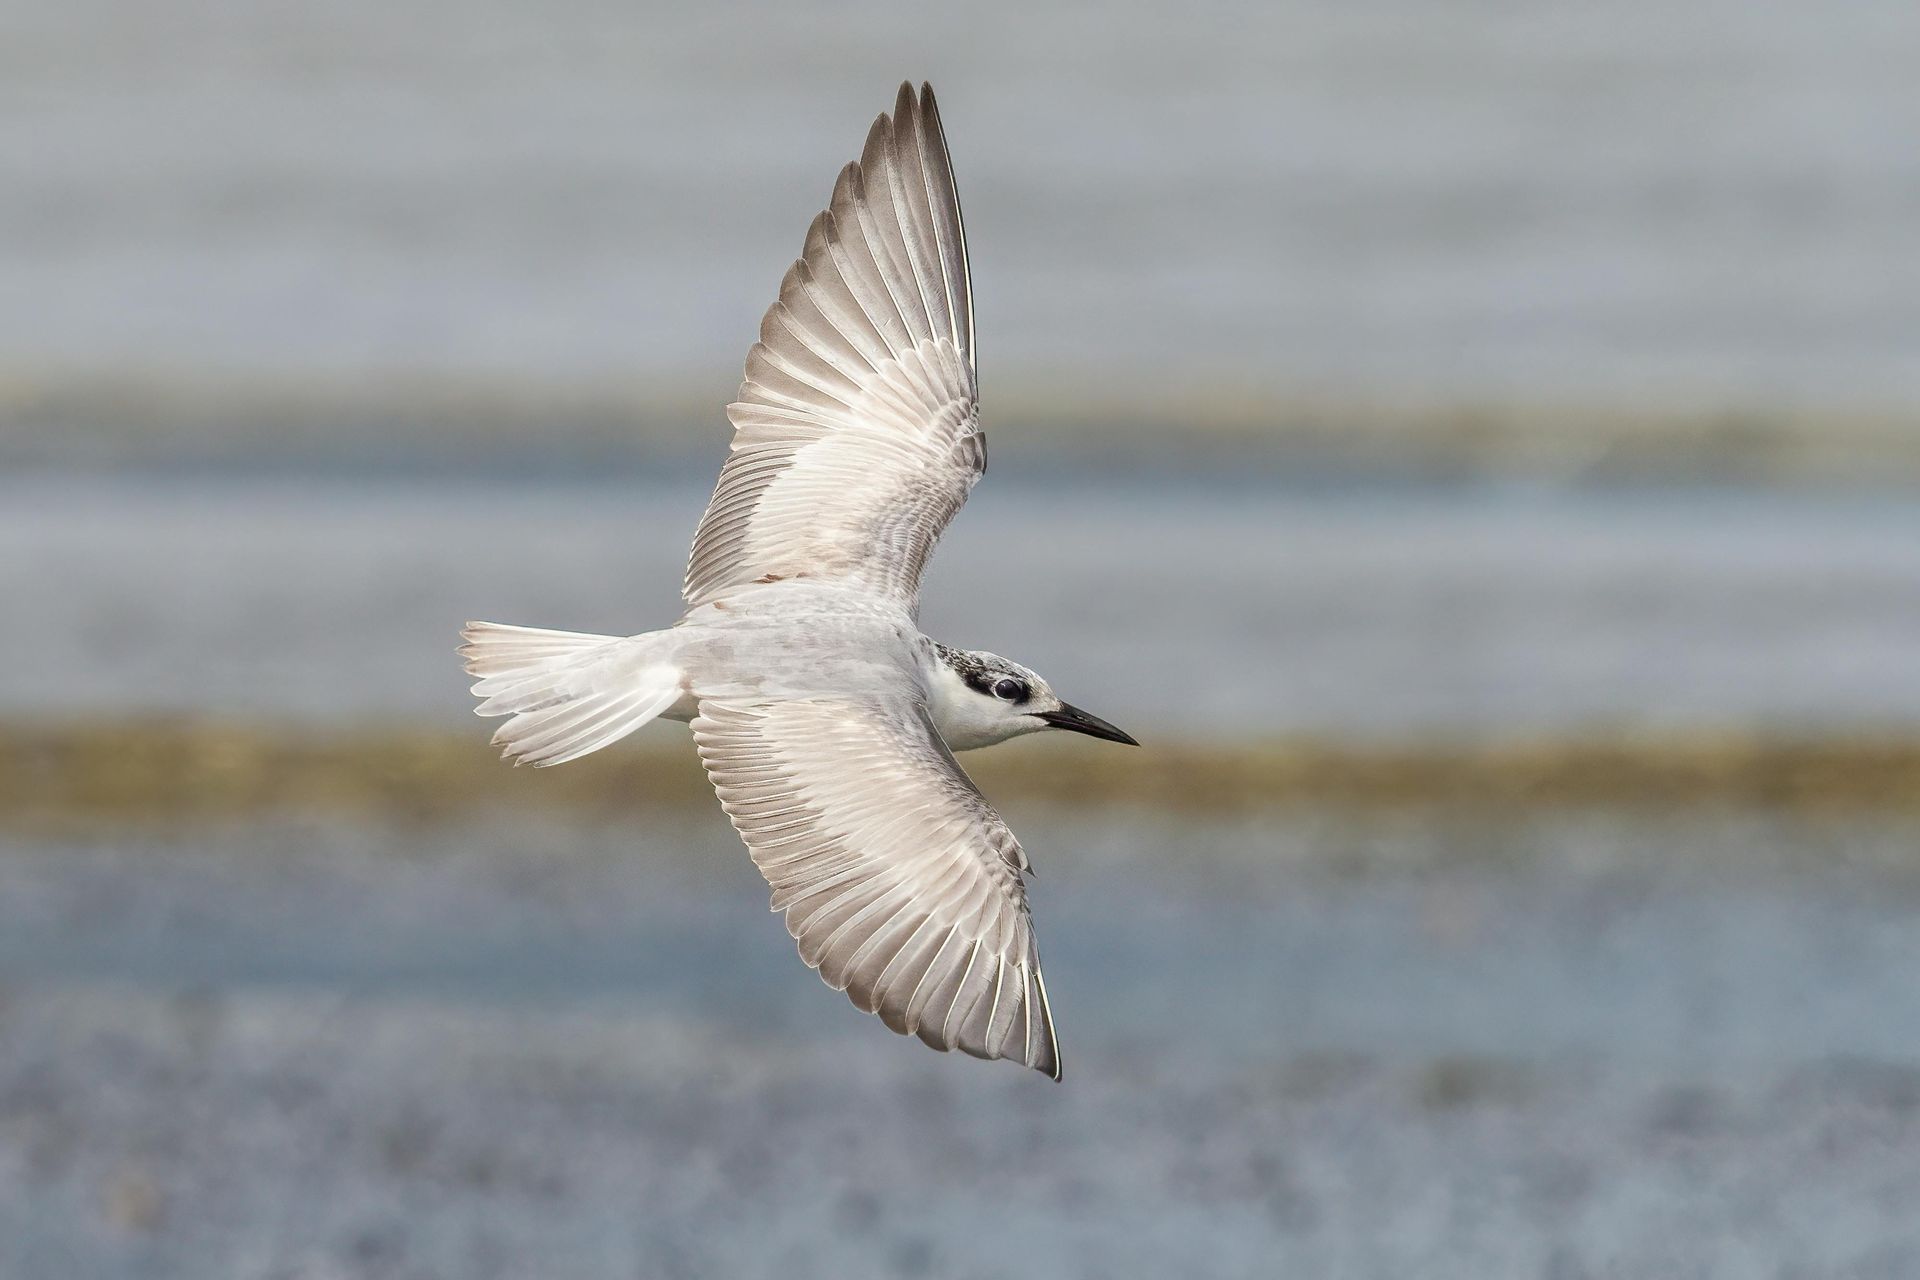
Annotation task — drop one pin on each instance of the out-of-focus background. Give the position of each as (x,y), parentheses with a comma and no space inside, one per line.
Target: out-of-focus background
(1473,446)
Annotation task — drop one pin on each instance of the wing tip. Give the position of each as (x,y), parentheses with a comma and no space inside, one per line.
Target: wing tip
(1049,1061)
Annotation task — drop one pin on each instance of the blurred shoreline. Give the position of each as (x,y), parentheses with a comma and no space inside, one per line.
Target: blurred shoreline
(109,775)
(463,424)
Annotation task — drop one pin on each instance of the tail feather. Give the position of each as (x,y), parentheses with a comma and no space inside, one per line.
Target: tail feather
(567,694)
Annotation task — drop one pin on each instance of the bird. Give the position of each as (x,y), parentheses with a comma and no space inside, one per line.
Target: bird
(825,719)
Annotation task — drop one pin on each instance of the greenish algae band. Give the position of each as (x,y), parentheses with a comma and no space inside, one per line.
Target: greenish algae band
(56,777)
(118,418)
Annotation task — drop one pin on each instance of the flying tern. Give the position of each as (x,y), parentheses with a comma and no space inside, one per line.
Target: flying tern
(825,719)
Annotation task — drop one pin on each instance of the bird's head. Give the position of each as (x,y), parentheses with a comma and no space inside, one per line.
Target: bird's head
(981,698)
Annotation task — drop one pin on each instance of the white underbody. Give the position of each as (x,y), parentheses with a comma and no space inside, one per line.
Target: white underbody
(762,642)
(791,639)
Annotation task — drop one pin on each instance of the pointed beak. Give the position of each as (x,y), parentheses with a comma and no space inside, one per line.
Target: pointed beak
(1070,717)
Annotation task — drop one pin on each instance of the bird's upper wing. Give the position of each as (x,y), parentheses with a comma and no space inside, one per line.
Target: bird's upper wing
(899,882)
(856,433)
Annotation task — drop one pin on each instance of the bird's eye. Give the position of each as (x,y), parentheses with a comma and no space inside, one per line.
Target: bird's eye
(1011,690)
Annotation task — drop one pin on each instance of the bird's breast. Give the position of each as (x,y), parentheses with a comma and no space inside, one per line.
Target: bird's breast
(756,645)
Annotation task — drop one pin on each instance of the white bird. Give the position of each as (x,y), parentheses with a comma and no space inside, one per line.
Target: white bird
(825,719)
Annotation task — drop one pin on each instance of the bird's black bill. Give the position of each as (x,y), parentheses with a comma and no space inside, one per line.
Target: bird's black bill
(1080,722)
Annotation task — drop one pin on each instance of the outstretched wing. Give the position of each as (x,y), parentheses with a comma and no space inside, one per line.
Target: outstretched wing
(856,433)
(900,884)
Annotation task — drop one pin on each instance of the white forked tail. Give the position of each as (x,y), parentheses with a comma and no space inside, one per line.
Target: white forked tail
(567,693)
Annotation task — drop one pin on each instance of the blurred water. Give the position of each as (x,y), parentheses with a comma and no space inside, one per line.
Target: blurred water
(1175,607)
(1682,944)
(1565,1046)
(1707,201)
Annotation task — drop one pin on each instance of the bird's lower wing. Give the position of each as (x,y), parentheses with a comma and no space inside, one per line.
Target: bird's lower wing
(899,882)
